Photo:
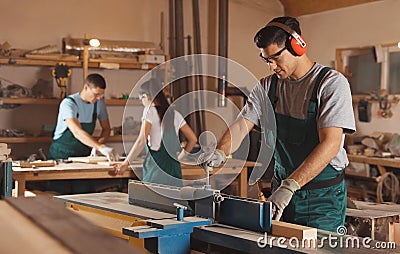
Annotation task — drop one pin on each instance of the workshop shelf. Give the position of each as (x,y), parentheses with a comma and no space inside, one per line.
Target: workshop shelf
(39,101)
(22,140)
(93,63)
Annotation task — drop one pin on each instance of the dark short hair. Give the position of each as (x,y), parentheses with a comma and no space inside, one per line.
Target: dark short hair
(269,35)
(96,80)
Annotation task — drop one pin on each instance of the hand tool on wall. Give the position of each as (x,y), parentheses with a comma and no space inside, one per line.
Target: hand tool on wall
(61,72)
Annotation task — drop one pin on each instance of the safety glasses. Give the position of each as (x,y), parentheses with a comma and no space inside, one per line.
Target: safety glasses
(274,57)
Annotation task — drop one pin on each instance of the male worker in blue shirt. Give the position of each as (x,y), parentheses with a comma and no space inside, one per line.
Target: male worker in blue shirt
(77,119)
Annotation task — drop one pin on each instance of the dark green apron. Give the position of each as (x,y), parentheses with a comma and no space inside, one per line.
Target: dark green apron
(163,166)
(69,146)
(322,202)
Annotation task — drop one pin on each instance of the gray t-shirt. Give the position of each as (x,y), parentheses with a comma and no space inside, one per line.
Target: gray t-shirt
(335,107)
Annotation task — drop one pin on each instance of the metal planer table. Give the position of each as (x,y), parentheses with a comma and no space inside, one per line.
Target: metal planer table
(207,221)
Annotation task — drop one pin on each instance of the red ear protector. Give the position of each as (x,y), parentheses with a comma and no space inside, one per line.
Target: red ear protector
(295,44)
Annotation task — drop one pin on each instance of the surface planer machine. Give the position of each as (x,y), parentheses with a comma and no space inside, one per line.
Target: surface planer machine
(194,207)
(181,219)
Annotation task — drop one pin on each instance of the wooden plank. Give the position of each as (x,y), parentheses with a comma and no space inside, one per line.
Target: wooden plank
(52,63)
(20,235)
(42,101)
(59,57)
(297,8)
(134,163)
(370,214)
(88,159)
(288,230)
(109,163)
(30,101)
(78,235)
(389,207)
(386,162)
(32,164)
(18,140)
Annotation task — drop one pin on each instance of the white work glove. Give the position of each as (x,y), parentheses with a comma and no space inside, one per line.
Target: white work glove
(182,155)
(93,153)
(214,159)
(281,197)
(217,158)
(109,152)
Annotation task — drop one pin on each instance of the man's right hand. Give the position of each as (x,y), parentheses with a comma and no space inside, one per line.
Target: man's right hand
(109,152)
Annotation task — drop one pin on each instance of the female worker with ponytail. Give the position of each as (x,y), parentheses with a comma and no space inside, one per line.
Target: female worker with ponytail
(159,134)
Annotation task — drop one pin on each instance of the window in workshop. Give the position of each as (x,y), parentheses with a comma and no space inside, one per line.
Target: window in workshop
(364,73)
(371,68)
(394,72)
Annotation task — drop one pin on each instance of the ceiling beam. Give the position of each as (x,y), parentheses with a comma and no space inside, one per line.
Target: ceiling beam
(297,8)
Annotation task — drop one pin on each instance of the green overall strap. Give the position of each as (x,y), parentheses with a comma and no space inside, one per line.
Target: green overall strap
(274,99)
(317,84)
(272,91)
(69,146)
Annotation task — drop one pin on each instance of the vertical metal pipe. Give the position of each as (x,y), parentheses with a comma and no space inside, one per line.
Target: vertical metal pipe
(199,85)
(180,86)
(180,45)
(162,39)
(172,35)
(222,50)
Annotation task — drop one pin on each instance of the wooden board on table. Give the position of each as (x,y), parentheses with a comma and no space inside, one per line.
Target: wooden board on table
(27,164)
(109,163)
(288,230)
(88,159)
(112,163)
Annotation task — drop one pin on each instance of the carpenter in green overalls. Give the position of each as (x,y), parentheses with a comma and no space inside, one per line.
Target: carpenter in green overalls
(77,119)
(313,112)
(159,134)
(76,122)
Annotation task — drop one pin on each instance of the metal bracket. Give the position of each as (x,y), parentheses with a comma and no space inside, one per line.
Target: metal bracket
(168,235)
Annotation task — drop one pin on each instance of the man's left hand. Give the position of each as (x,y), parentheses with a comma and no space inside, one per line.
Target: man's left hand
(282,196)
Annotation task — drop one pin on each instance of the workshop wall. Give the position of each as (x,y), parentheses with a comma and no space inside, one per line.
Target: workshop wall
(360,25)
(34,24)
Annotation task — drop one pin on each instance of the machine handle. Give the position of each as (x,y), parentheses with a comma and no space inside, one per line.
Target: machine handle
(180,211)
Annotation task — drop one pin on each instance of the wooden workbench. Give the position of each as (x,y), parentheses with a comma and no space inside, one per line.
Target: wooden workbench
(381,163)
(237,168)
